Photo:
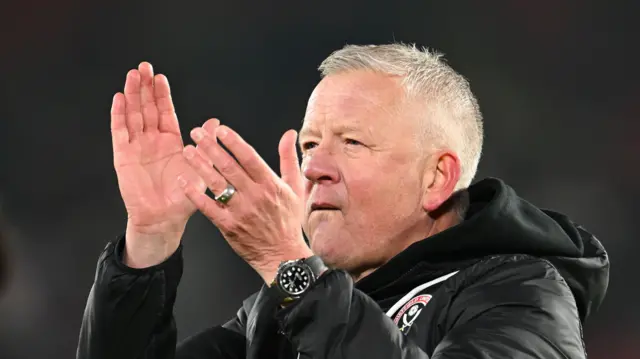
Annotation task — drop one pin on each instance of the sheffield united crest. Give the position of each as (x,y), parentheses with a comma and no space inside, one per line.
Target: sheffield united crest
(410,311)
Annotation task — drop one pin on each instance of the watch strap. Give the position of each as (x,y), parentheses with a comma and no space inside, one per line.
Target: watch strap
(316,264)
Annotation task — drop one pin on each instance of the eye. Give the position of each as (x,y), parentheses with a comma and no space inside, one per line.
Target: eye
(308,145)
(350,141)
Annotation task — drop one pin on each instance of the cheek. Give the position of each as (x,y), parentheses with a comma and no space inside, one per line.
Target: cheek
(376,194)
(380,180)
(366,200)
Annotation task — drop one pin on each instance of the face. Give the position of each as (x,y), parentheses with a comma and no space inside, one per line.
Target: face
(363,171)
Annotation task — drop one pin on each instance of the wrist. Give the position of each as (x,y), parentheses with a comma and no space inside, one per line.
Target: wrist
(296,277)
(269,269)
(145,247)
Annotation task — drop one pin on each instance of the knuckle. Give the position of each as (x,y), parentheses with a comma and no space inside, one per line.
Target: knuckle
(228,225)
(250,155)
(227,166)
(215,184)
(252,160)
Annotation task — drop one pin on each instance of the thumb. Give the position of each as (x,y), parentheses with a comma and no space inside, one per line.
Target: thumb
(289,165)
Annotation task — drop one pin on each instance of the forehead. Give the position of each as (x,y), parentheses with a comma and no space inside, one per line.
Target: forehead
(355,97)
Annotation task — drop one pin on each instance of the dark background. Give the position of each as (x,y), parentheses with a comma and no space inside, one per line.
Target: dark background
(556,80)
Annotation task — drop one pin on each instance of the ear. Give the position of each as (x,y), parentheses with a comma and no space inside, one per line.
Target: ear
(442,172)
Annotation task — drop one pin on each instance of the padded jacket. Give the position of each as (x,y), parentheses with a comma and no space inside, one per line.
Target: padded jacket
(510,281)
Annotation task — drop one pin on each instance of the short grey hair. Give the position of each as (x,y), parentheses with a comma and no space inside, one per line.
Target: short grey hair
(452,120)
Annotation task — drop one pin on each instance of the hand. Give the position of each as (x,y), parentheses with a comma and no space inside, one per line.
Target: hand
(262,221)
(147,154)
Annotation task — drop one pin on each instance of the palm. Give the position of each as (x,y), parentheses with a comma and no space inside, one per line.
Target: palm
(147,175)
(148,152)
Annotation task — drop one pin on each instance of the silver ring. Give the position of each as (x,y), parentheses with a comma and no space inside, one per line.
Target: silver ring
(226,195)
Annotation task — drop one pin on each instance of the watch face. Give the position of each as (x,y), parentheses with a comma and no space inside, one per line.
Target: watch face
(294,279)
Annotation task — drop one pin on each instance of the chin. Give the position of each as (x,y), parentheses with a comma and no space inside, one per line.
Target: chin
(335,252)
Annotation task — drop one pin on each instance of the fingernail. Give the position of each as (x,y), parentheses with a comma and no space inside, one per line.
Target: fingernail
(181,181)
(221,132)
(188,153)
(197,134)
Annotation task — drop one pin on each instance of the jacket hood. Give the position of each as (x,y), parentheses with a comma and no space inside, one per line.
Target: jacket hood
(497,222)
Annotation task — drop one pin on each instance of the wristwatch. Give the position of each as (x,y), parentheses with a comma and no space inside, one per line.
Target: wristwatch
(295,277)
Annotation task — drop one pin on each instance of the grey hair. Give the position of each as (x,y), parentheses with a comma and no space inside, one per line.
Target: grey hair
(452,120)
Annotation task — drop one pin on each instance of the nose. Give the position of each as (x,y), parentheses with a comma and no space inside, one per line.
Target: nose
(320,167)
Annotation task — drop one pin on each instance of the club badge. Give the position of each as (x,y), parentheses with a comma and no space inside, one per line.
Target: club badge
(410,311)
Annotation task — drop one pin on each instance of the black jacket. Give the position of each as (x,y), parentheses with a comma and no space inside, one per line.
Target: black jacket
(511,281)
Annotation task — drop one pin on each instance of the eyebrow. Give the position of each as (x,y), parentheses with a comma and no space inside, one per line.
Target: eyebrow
(340,129)
(306,131)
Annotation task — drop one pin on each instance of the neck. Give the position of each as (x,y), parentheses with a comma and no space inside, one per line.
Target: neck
(437,225)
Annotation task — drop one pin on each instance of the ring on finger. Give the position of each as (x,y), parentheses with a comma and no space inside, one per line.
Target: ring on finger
(225,196)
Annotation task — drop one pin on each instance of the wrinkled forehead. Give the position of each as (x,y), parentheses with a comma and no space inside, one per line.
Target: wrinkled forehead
(354,97)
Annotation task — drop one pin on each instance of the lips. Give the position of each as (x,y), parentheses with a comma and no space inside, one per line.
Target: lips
(320,206)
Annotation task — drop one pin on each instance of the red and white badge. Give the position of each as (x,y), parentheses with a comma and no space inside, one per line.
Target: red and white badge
(410,311)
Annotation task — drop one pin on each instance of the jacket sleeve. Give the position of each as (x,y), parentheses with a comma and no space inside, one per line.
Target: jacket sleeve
(523,310)
(335,320)
(129,314)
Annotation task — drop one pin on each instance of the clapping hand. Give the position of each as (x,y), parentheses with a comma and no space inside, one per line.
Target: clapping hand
(147,154)
(162,182)
(262,219)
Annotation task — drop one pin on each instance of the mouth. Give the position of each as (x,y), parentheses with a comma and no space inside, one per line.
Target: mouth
(323,207)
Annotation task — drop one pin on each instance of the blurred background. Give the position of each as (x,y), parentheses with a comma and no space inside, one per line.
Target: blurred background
(556,80)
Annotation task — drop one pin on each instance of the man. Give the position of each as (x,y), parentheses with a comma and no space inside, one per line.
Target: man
(405,259)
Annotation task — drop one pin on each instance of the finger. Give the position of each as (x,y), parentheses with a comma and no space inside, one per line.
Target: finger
(197,160)
(210,126)
(289,165)
(205,204)
(119,132)
(168,121)
(247,156)
(132,100)
(149,108)
(226,165)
